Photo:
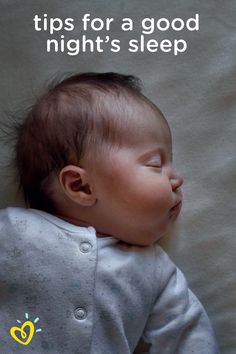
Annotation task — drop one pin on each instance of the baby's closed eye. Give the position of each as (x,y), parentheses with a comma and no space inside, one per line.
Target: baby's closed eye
(154,163)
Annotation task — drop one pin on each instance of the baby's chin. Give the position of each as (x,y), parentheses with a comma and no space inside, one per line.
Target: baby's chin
(146,239)
(160,234)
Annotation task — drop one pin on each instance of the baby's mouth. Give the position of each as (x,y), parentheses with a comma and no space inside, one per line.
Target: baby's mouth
(176,208)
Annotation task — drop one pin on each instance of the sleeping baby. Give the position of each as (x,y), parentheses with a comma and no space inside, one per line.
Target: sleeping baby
(80,269)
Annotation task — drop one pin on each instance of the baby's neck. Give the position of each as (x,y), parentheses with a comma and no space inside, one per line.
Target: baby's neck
(74,221)
(77,222)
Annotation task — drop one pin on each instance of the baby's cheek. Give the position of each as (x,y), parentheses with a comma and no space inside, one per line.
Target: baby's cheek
(152,205)
(160,194)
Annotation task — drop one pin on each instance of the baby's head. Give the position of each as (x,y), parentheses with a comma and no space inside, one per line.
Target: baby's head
(96,152)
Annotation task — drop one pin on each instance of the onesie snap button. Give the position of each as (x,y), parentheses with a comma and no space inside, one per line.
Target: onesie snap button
(80,313)
(85,247)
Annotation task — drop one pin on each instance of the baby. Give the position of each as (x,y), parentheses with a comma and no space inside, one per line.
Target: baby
(80,269)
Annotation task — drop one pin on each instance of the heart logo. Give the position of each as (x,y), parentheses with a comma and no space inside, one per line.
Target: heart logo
(20,335)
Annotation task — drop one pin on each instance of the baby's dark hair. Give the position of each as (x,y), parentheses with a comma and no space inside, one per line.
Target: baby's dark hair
(74,117)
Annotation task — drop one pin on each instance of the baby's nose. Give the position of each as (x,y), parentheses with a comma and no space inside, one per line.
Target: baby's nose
(176,182)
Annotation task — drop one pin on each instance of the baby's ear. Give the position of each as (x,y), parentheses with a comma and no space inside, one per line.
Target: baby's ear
(75,183)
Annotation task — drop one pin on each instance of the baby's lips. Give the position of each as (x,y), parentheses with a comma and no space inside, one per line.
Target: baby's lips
(176,208)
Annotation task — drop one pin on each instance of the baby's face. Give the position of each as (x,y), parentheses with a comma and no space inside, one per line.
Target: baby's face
(138,192)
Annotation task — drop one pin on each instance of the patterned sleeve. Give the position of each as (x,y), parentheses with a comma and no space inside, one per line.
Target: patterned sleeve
(178,323)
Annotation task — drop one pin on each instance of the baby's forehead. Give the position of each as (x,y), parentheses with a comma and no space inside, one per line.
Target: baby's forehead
(139,119)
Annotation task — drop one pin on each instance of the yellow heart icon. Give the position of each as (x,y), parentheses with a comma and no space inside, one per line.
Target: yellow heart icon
(14,331)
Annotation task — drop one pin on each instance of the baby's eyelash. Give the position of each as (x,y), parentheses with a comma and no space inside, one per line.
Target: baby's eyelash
(157,164)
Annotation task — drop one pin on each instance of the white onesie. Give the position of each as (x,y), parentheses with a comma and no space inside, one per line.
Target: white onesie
(65,290)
